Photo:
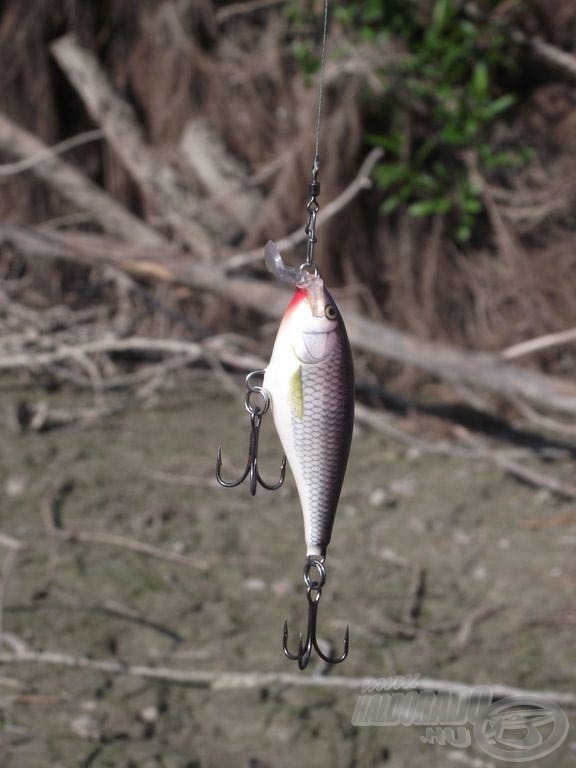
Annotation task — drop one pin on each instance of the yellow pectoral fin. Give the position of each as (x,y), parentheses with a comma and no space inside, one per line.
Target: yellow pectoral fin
(297,394)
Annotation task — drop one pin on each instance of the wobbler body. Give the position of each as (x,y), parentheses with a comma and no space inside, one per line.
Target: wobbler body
(310,379)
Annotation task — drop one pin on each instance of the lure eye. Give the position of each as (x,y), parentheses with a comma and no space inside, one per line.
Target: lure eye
(330,312)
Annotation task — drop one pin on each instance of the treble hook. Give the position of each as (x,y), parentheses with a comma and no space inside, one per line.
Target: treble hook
(305,648)
(256,413)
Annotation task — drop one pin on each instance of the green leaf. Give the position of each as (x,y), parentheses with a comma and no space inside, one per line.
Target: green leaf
(440,15)
(426,150)
(453,136)
(493,160)
(392,143)
(464,233)
(387,175)
(390,205)
(479,84)
(472,205)
(442,96)
(498,106)
(430,207)
(426,182)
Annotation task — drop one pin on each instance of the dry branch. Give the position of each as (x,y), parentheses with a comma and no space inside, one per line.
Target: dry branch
(241,9)
(225,681)
(476,369)
(75,187)
(13,546)
(221,175)
(544,422)
(124,542)
(469,622)
(551,55)
(159,181)
(184,352)
(415,595)
(540,343)
(477,451)
(537,479)
(360,183)
(54,526)
(107,344)
(12,169)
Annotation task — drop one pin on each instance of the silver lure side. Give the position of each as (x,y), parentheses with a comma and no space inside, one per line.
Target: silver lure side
(310,380)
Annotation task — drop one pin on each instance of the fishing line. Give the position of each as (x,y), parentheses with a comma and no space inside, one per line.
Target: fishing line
(314,187)
(321,89)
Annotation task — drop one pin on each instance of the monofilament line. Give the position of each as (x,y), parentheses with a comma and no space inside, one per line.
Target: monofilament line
(321,90)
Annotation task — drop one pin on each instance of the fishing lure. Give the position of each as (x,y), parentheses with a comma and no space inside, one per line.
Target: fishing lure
(310,381)
(309,386)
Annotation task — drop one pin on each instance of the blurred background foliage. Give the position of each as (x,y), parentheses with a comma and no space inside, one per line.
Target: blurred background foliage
(439,101)
(468,233)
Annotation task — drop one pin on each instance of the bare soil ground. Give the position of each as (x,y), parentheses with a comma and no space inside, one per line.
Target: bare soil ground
(148,475)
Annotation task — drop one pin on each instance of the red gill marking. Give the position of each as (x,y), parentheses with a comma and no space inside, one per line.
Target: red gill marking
(298,297)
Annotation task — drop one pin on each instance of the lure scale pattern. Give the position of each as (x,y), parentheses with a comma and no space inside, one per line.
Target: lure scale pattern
(322,437)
